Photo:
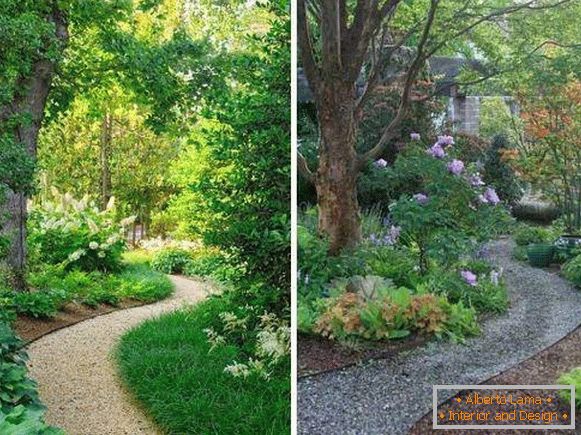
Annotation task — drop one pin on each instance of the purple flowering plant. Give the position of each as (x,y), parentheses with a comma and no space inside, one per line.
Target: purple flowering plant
(449,208)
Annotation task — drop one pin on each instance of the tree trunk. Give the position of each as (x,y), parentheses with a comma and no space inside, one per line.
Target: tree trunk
(105,145)
(30,100)
(336,179)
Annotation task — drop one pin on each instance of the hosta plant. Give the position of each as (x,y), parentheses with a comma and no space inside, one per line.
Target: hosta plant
(64,230)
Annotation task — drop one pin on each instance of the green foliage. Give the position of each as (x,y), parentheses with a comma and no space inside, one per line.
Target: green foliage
(150,356)
(485,297)
(75,233)
(376,310)
(499,174)
(54,286)
(572,377)
(572,270)
(171,260)
(454,216)
(318,268)
(239,198)
(497,119)
(526,235)
(43,304)
(214,264)
(20,407)
(397,264)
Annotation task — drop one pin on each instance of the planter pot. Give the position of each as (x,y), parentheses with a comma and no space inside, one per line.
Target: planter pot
(540,255)
(567,244)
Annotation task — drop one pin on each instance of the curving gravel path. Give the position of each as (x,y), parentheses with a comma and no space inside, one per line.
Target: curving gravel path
(388,396)
(77,376)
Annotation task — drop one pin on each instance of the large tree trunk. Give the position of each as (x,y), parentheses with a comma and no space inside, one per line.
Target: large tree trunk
(336,179)
(105,144)
(30,100)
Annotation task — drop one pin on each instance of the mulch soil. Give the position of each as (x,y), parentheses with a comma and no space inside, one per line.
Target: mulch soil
(542,369)
(31,329)
(317,354)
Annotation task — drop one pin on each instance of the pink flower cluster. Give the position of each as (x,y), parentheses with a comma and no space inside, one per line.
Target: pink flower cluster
(489,197)
(469,277)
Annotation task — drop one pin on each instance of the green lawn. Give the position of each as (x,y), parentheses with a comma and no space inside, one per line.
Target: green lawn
(166,364)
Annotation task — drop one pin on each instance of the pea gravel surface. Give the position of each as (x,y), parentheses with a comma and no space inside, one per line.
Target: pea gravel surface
(389,396)
(76,371)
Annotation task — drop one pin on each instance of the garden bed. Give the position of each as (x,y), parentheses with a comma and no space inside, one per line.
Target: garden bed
(318,354)
(30,329)
(542,368)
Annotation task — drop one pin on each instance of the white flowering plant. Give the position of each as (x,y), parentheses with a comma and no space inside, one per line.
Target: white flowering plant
(76,233)
(265,339)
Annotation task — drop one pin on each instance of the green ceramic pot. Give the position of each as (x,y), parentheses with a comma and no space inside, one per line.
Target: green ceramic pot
(540,255)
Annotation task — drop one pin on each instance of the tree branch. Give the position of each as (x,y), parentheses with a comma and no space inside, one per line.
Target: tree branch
(303,168)
(389,132)
(306,49)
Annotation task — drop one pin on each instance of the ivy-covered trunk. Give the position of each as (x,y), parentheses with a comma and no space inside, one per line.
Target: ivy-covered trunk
(336,179)
(22,119)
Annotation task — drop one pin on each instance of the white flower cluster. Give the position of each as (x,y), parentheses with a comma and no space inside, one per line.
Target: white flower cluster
(159,243)
(272,343)
(66,214)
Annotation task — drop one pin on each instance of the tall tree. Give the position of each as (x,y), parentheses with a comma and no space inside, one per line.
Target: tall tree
(33,36)
(347,49)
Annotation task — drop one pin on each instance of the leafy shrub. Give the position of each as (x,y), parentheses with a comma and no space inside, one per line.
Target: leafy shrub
(572,377)
(171,260)
(212,263)
(527,235)
(471,148)
(75,233)
(136,281)
(498,172)
(397,264)
(142,284)
(520,253)
(488,294)
(20,407)
(451,210)
(317,268)
(39,304)
(377,310)
(572,270)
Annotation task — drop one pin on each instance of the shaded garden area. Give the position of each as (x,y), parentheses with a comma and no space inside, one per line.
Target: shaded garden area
(427,226)
(141,139)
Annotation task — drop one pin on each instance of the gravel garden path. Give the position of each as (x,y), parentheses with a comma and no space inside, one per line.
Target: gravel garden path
(388,396)
(76,372)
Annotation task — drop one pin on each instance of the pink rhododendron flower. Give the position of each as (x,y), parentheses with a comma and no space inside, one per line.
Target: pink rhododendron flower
(469,277)
(445,140)
(380,163)
(415,136)
(437,151)
(421,198)
(456,167)
(475,180)
(491,195)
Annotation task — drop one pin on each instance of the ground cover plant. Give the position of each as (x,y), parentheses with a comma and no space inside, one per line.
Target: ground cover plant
(573,377)
(185,387)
